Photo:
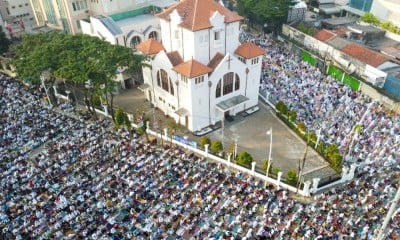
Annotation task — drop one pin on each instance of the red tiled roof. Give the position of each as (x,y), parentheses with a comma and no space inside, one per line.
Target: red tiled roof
(192,68)
(196,14)
(324,35)
(215,60)
(175,58)
(249,50)
(364,54)
(150,46)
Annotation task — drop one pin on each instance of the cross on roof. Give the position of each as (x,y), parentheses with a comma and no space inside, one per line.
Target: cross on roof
(229,59)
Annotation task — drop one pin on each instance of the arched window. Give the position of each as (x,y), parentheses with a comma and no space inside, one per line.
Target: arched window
(237,82)
(153,35)
(164,81)
(135,41)
(218,90)
(228,84)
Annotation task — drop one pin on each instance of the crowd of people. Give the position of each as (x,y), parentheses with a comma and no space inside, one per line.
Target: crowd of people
(66,178)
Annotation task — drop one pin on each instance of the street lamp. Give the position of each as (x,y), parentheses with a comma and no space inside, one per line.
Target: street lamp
(269,132)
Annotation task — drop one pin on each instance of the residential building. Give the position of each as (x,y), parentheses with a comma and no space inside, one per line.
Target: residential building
(17,16)
(66,15)
(387,11)
(200,73)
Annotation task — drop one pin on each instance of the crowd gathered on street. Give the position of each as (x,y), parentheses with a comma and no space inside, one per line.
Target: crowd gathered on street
(64,177)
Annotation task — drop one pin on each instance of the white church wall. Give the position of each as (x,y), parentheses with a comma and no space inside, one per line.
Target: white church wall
(200,47)
(187,44)
(232,36)
(165,35)
(200,107)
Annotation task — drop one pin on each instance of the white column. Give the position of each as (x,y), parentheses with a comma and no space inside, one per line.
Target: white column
(166,133)
(105,110)
(206,149)
(315,184)
(130,117)
(279,180)
(350,175)
(235,150)
(229,159)
(55,90)
(253,167)
(306,188)
(345,170)
(147,126)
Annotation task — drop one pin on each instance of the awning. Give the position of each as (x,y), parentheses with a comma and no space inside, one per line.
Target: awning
(230,103)
(144,87)
(182,112)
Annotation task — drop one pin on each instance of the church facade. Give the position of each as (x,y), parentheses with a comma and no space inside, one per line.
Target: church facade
(200,73)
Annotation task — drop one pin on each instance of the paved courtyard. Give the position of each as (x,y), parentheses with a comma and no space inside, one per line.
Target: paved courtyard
(249,133)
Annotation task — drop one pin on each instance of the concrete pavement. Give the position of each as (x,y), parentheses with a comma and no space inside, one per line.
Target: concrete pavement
(249,133)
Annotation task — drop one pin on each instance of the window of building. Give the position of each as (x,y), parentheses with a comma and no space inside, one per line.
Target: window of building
(218,90)
(13,7)
(153,35)
(135,41)
(184,79)
(226,85)
(241,59)
(198,80)
(165,82)
(217,35)
(78,24)
(237,82)
(254,61)
(26,4)
(74,6)
(20,5)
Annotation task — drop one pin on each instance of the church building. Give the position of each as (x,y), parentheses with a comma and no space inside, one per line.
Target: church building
(200,74)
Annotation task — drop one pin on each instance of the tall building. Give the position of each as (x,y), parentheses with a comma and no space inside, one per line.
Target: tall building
(17,16)
(66,15)
(61,14)
(201,74)
(387,10)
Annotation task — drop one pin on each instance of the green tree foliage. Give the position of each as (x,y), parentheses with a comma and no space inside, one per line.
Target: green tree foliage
(119,117)
(333,155)
(216,147)
(75,58)
(203,141)
(245,159)
(292,115)
(291,177)
(4,41)
(301,126)
(370,18)
(270,12)
(307,30)
(265,166)
(281,107)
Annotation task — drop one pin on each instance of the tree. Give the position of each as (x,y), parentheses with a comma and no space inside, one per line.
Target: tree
(292,115)
(265,166)
(203,141)
(273,13)
(4,41)
(281,107)
(370,18)
(291,177)
(245,159)
(216,147)
(119,117)
(333,155)
(76,59)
